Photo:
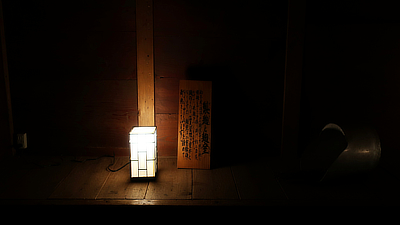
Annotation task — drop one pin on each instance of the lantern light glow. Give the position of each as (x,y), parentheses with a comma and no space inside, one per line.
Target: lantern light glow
(143,147)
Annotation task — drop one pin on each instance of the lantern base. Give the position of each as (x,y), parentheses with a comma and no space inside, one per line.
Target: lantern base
(139,179)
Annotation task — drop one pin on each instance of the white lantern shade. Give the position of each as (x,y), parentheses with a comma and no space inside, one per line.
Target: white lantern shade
(143,146)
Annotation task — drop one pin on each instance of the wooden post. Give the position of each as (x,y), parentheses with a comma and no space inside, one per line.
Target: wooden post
(8,137)
(145,62)
(293,78)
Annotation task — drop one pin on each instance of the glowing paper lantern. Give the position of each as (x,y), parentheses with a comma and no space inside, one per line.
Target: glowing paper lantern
(143,146)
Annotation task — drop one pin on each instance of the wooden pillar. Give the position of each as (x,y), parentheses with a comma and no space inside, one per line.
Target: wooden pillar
(293,78)
(145,62)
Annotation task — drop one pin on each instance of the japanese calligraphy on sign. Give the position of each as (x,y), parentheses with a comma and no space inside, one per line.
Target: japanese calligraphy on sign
(194,124)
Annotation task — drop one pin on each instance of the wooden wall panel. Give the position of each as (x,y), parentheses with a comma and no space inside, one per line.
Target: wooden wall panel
(92,55)
(167,92)
(93,41)
(90,15)
(75,55)
(73,75)
(194,41)
(223,19)
(71,115)
(167,132)
(71,67)
(173,55)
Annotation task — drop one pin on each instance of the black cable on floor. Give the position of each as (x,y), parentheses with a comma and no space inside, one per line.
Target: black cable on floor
(116,170)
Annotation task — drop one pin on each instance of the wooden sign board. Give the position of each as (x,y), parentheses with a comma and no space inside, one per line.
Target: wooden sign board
(194,124)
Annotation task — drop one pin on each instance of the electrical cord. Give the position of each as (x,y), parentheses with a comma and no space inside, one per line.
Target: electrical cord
(108,167)
(116,170)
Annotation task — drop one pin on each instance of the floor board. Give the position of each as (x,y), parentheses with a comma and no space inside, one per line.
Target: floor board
(30,177)
(171,183)
(214,184)
(379,186)
(255,180)
(85,180)
(58,180)
(119,185)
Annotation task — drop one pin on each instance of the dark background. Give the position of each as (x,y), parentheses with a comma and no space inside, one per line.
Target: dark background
(351,70)
(72,68)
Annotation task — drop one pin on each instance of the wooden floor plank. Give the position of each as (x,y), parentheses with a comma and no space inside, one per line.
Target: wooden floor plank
(33,177)
(255,180)
(378,186)
(260,182)
(84,181)
(119,186)
(214,184)
(171,183)
(150,203)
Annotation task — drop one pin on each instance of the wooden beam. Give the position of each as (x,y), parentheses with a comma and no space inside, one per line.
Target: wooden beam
(145,62)
(293,78)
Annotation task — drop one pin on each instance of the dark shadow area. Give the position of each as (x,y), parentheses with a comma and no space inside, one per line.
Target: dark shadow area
(238,125)
(322,152)
(226,144)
